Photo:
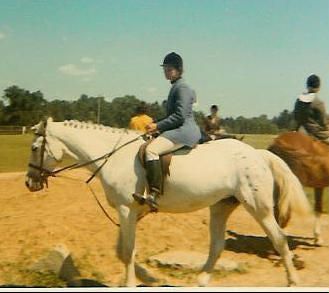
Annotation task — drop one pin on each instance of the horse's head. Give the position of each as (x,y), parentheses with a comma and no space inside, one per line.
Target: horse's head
(45,152)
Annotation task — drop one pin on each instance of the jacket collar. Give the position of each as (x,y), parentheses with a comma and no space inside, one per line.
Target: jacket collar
(307,97)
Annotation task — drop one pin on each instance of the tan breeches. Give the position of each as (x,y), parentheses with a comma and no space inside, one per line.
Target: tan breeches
(160,146)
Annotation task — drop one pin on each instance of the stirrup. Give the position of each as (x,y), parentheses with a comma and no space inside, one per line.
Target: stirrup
(150,200)
(140,198)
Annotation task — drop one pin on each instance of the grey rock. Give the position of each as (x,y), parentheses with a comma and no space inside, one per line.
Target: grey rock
(58,261)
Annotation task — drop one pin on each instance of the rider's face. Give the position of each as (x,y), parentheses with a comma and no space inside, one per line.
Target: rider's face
(170,72)
(213,111)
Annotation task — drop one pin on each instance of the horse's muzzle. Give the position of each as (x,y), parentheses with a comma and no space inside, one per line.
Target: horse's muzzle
(33,185)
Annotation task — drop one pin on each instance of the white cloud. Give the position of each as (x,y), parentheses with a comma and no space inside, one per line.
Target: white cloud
(87,60)
(2,35)
(74,70)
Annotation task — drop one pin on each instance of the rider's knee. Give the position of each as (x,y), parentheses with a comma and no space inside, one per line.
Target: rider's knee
(151,153)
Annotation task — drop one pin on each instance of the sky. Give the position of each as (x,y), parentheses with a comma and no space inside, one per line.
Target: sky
(250,57)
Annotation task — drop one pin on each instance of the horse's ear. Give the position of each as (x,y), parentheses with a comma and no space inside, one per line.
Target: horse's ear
(38,128)
(41,127)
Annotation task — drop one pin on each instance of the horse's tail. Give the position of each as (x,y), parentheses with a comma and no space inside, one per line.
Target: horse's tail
(289,195)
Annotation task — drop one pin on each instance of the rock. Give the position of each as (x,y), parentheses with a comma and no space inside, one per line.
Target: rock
(59,262)
(190,260)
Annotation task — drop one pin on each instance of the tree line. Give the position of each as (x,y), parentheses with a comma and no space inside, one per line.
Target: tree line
(22,107)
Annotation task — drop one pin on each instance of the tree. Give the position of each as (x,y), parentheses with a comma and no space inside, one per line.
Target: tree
(60,110)
(156,111)
(120,111)
(24,108)
(285,121)
(2,112)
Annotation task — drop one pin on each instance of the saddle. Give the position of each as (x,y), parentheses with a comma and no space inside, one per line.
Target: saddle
(165,159)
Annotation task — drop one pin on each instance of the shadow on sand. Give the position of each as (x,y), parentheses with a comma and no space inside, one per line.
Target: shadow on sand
(261,245)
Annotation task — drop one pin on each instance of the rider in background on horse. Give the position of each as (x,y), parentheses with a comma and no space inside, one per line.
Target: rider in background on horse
(212,127)
(141,119)
(212,122)
(310,112)
(178,129)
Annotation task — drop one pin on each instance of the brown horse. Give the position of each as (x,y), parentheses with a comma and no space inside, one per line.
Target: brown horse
(308,158)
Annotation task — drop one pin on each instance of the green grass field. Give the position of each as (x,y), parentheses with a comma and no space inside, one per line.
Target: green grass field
(15,152)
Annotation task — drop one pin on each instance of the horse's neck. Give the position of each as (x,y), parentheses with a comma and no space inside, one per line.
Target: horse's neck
(88,144)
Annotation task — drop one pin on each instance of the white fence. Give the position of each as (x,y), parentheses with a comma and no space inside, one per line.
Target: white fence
(9,129)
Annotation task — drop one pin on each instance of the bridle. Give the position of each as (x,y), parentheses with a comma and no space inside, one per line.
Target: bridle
(45,173)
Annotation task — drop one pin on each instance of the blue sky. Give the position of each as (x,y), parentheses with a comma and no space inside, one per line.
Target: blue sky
(250,57)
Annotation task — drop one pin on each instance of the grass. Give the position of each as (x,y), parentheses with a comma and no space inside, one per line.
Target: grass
(15,152)
(259,141)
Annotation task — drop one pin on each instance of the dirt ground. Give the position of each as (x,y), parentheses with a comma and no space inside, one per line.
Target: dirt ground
(33,223)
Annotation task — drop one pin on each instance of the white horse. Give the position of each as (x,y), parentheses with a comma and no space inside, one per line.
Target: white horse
(219,175)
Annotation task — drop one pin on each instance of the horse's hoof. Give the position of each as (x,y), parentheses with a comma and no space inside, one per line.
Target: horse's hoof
(318,242)
(293,281)
(292,284)
(203,279)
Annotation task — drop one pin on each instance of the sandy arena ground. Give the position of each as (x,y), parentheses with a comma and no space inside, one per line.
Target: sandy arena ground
(33,223)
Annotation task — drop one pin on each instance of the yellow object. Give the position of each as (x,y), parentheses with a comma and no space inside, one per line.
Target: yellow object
(140,122)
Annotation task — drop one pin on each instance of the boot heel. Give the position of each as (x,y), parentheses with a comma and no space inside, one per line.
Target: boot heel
(139,198)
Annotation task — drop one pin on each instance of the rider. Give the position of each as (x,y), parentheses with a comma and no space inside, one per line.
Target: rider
(141,119)
(212,126)
(310,112)
(212,122)
(178,129)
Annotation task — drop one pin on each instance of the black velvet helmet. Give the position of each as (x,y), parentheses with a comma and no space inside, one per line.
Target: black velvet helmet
(173,60)
(313,81)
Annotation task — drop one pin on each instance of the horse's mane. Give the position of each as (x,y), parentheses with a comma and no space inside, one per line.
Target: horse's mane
(100,127)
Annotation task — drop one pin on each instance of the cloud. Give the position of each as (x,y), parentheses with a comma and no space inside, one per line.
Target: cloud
(2,35)
(87,60)
(74,70)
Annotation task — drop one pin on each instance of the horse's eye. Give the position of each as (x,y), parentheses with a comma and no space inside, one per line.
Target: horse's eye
(34,148)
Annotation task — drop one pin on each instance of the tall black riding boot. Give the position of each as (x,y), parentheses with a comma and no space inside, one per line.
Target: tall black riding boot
(154,178)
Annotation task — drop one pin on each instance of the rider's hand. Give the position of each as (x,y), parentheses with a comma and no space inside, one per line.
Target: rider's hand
(152,128)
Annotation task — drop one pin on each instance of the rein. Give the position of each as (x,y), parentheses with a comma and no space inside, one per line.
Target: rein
(45,173)
(73,166)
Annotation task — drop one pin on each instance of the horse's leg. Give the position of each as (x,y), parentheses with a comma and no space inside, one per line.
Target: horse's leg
(126,243)
(318,192)
(260,205)
(219,214)
(280,243)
